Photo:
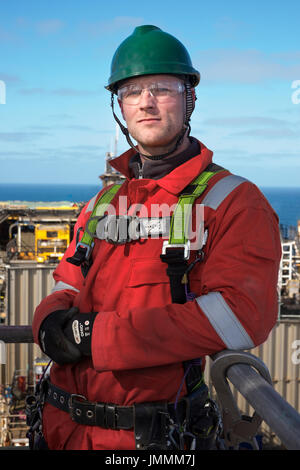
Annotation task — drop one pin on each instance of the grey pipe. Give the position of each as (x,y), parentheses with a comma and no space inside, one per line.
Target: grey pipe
(282,418)
(16,334)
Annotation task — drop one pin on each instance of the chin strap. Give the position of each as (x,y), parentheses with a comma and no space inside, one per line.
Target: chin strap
(122,127)
(186,126)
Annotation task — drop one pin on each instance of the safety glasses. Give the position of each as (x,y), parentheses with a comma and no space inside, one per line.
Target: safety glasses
(162,91)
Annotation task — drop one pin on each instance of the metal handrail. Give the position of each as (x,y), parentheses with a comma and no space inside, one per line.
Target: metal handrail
(282,418)
(16,334)
(255,386)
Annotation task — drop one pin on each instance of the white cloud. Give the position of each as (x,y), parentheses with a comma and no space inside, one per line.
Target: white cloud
(58,91)
(267,133)
(246,66)
(228,28)
(60,116)
(73,92)
(32,91)
(17,137)
(98,28)
(7,36)
(50,26)
(246,121)
(7,78)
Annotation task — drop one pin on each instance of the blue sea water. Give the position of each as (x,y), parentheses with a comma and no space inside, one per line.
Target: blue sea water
(48,192)
(285,201)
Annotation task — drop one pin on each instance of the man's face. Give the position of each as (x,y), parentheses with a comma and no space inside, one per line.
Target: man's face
(153,122)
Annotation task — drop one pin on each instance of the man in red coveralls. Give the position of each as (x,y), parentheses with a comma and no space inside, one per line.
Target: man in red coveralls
(130,318)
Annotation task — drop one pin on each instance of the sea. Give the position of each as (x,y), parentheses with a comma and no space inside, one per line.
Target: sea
(285,201)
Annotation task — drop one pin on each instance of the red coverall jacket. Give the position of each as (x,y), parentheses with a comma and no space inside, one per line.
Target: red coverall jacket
(140,338)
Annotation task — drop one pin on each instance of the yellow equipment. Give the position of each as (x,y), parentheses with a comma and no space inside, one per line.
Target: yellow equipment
(51,241)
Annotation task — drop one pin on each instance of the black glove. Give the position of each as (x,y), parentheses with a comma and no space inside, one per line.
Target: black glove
(52,338)
(78,330)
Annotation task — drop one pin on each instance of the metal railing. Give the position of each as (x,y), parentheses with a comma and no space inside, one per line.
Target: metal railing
(249,375)
(16,334)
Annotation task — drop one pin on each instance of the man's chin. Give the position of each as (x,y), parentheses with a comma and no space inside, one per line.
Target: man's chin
(152,145)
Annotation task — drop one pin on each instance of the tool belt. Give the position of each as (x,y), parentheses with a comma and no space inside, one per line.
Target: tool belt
(156,425)
(82,411)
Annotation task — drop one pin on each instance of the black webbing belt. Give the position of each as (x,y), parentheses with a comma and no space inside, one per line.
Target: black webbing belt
(176,269)
(104,415)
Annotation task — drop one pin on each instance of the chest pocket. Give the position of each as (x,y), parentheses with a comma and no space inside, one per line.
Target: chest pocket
(148,284)
(147,272)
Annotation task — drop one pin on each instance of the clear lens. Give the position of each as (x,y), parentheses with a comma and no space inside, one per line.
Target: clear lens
(162,91)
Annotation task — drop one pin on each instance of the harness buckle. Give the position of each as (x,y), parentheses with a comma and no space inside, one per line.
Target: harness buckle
(86,247)
(82,253)
(186,247)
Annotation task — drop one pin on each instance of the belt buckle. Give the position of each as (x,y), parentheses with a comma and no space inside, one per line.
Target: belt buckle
(76,411)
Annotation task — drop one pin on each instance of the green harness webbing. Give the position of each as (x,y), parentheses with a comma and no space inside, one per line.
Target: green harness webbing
(83,251)
(183,210)
(98,212)
(176,250)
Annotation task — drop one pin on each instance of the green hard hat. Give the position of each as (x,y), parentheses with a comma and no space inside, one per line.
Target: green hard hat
(149,50)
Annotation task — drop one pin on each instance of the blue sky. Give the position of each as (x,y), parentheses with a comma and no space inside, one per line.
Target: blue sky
(56,125)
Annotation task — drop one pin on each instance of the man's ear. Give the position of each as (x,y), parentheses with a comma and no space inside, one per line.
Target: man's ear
(121,108)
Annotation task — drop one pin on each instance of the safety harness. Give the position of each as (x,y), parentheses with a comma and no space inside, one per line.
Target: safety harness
(175,250)
(193,421)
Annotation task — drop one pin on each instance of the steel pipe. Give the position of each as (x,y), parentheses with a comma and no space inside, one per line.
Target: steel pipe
(282,418)
(16,334)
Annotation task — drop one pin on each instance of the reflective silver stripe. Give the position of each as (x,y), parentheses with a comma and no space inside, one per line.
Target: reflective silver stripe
(224,321)
(221,189)
(62,286)
(91,204)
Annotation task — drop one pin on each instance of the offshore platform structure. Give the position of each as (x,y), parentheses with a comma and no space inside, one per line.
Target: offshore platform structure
(110,175)
(38,232)
(289,272)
